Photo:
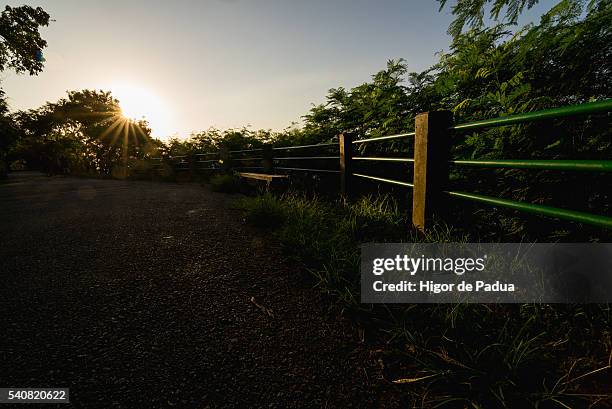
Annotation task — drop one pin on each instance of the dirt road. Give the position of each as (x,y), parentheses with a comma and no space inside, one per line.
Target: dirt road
(138,295)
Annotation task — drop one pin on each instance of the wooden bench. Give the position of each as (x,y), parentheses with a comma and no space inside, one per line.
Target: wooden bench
(269,179)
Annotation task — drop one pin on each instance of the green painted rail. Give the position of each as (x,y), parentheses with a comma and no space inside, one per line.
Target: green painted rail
(542,210)
(572,110)
(570,165)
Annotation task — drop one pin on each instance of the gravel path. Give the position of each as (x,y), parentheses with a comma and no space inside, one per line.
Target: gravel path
(138,295)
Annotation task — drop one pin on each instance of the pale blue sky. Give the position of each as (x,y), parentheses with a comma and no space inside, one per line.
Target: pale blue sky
(228,63)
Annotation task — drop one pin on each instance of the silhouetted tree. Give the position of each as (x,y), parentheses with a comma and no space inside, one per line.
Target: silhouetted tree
(20,49)
(84,133)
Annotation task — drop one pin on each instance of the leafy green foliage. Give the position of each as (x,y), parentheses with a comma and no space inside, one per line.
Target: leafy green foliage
(371,109)
(472,12)
(214,140)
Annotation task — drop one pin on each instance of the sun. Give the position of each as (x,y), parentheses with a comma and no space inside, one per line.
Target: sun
(140,103)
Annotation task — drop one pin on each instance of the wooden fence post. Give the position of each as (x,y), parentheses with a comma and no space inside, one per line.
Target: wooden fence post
(346,159)
(225,159)
(267,161)
(191,163)
(431,155)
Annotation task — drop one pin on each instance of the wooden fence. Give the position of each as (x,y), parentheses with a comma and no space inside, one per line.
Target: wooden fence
(431,161)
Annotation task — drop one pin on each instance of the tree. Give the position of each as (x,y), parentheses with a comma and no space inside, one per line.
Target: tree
(83,133)
(20,49)
(8,132)
(20,42)
(471,12)
(370,109)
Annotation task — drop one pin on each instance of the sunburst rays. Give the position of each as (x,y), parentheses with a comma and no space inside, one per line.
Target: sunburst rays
(139,102)
(124,128)
(120,130)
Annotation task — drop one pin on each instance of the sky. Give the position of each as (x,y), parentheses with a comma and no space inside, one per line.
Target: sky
(187,66)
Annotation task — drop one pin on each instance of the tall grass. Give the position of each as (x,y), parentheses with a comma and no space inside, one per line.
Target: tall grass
(448,355)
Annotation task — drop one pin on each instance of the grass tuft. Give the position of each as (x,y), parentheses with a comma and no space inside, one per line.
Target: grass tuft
(263,211)
(225,183)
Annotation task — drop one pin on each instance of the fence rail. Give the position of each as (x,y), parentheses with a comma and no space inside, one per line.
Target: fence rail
(320,145)
(383,138)
(555,113)
(380,159)
(431,162)
(571,215)
(307,157)
(309,170)
(385,180)
(556,164)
